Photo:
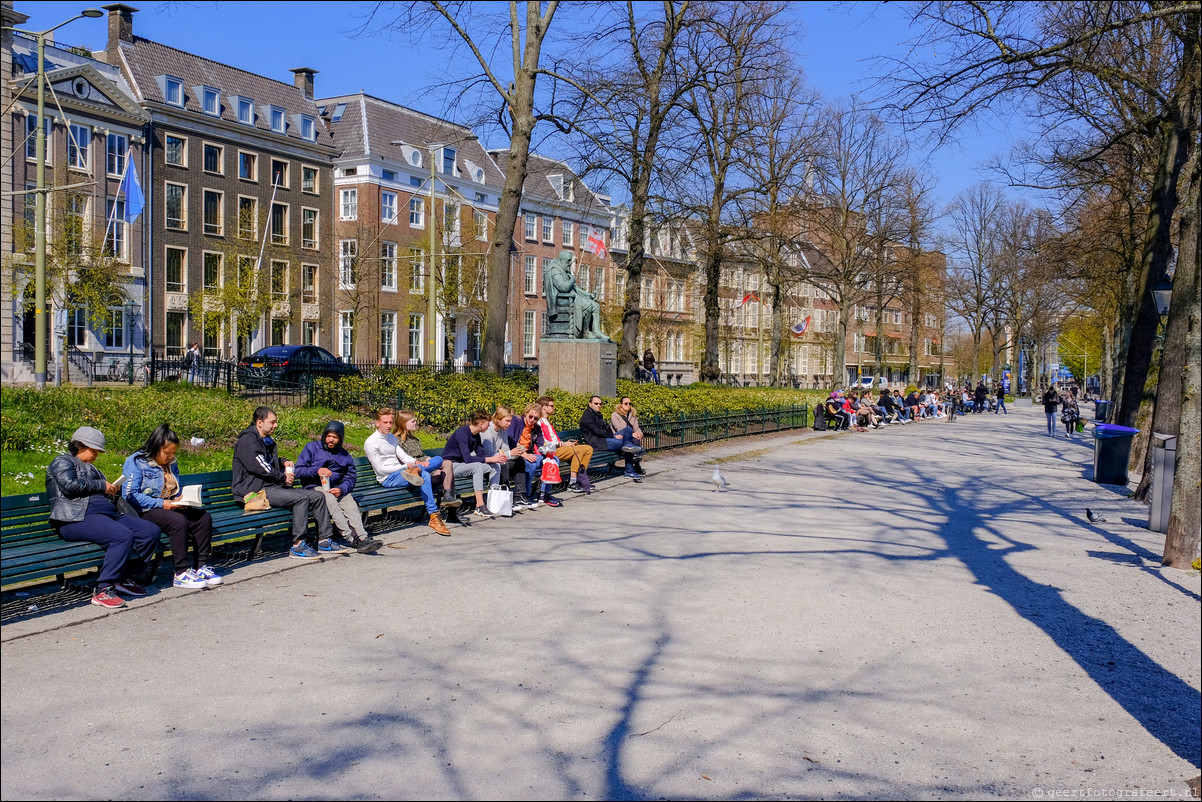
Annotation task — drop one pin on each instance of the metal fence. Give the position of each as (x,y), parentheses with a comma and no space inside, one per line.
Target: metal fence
(684,430)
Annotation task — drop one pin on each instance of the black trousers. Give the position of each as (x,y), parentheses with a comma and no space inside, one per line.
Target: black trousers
(181,525)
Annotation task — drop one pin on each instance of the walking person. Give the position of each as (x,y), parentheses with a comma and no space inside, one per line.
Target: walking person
(152,487)
(82,509)
(1001,400)
(258,468)
(326,466)
(1051,399)
(1069,414)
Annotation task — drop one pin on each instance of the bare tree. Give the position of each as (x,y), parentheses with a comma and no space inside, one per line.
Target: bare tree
(627,103)
(859,172)
(514,84)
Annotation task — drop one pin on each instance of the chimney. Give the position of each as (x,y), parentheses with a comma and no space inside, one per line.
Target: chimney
(303,78)
(121,29)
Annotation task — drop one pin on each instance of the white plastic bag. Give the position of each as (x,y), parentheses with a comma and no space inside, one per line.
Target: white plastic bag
(500,501)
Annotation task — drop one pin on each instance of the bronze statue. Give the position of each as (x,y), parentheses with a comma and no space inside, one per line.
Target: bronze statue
(572,313)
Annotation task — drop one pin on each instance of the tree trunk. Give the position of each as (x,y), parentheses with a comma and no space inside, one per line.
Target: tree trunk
(1154,262)
(774,369)
(839,372)
(1185,334)
(628,352)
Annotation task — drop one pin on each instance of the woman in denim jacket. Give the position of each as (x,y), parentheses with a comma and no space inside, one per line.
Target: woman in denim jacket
(152,486)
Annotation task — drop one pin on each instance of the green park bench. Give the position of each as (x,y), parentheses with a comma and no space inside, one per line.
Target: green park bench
(30,551)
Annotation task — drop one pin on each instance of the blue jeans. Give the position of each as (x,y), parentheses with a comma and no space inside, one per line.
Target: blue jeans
(122,537)
(1001,406)
(1051,424)
(398,479)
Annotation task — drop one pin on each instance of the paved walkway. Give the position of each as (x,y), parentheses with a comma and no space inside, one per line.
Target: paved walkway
(919,612)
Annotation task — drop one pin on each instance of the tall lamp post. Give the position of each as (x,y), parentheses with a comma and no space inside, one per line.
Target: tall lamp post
(432,304)
(39,312)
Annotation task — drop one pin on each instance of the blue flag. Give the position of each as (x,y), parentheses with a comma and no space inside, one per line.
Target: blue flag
(135,201)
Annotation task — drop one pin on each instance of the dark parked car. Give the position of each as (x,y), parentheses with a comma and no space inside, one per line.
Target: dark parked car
(291,364)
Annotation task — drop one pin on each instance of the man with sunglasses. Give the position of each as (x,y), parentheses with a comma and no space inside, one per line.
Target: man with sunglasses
(625,418)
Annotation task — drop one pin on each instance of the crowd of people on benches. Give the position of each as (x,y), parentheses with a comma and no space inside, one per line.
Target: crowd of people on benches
(127,517)
(860,410)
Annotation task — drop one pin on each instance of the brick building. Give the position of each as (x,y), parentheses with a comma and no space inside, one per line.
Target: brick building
(95,132)
(391,157)
(238,199)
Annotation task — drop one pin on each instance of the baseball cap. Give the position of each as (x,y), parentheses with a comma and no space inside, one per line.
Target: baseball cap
(89,436)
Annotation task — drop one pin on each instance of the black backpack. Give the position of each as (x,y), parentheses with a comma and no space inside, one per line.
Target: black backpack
(819,418)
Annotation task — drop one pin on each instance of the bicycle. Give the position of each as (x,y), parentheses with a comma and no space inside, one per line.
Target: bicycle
(119,370)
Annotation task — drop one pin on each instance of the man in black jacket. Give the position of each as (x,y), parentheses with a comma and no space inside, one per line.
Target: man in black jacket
(600,435)
(258,467)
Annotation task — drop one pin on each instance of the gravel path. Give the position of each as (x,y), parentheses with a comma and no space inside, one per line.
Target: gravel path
(920,612)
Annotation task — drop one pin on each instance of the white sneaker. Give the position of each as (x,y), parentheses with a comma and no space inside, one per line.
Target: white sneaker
(188,579)
(211,577)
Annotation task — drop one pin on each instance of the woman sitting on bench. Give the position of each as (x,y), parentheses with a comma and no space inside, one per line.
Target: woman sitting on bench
(82,508)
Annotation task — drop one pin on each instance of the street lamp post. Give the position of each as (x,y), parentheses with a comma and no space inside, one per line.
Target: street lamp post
(432,303)
(39,312)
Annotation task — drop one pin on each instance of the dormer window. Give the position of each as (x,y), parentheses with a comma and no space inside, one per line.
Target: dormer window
(211,101)
(246,111)
(277,119)
(308,127)
(339,110)
(173,91)
(448,161)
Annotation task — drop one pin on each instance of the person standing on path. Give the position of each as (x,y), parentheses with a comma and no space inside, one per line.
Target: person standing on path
(1051,399)
(1001,400)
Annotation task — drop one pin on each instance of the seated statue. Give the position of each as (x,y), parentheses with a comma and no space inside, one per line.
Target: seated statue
(571,311)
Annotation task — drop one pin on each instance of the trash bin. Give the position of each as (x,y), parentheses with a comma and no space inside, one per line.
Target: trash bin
(1111,450)
(1164,466)
(1100,410)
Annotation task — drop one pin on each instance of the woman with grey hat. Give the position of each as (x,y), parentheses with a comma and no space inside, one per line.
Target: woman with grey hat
(82,509)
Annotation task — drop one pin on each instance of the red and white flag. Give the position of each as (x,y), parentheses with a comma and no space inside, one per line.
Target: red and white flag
(751,296)
(596,242)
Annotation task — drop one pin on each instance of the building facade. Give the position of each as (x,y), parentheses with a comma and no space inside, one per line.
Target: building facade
(95,243)
(238,191)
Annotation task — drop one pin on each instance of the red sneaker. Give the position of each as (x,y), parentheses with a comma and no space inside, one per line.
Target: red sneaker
(130,588)
(106,598)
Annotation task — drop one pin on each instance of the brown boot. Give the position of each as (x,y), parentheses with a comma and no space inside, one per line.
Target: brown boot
(438,526)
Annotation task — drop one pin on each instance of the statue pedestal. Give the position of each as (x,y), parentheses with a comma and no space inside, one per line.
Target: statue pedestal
(586,367)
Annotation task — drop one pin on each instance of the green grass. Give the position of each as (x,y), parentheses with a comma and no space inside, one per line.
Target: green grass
(34,427)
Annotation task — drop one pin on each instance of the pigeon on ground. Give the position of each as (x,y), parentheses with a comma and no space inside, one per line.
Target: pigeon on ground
(719,480)
(1094,519)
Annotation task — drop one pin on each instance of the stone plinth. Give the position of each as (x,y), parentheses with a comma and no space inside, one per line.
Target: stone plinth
(586,367)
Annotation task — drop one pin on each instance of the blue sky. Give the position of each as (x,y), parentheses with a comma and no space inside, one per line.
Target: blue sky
(269,38)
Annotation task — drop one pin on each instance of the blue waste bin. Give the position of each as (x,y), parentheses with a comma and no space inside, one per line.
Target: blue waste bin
(1101,409)
(1111,451)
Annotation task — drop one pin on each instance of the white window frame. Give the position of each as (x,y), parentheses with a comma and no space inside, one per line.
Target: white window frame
(529,333)
(416,329)
(548,229)
(346,335)
(217,229)
(208,93)
(348,203)
(417,208)
(388,210)
(348,252)
(388,336)
(183,221)
(481,226)
(220,158)
(254,166)
(219,259)
(245,111)
(114,160)
(307,296)
(569,234)
(388,267)
(316,190)
(530,273)
(274,114)
(31,140)
(531,227)
(173,86)
(182,285)
(79,137)
(183,150)
(417,270)
(115,239)
(308,128)
(315,242)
